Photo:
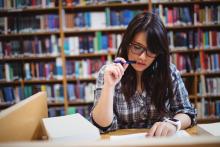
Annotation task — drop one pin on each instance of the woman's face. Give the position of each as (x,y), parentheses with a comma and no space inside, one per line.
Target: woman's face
(138,52)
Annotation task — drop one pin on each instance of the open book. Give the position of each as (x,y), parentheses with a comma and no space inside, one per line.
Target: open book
(212,129)
(70,128)
(181,133)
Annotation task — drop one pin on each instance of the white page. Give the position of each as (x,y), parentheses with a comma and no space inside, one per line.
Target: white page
(181,133)
(212,128)
(70,127)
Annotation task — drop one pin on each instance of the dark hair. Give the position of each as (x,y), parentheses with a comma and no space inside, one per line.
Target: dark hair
(156,79)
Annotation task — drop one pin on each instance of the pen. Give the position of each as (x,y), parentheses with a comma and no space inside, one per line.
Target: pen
(127,62)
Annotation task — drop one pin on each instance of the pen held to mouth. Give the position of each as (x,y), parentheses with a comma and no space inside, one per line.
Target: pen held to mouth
(127,62)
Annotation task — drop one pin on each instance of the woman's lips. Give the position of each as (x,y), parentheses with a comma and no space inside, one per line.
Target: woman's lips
(140,63)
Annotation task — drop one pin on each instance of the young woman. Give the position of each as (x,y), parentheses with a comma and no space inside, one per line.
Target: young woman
(149,93)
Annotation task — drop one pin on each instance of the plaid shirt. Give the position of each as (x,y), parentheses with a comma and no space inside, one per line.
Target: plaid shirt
(140,113)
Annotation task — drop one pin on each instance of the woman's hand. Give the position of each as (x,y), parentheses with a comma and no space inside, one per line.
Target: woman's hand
(162,129)
(114,72)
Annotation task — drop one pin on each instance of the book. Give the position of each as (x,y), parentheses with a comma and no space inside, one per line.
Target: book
(212,129)
(181,133)
(72,127)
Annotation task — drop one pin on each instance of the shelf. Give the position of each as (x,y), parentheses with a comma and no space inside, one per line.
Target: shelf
(101,7)
(42,81)
(208,120)
(27,11)
(121,29)
(16,35)
(211,74)
(77,31)
(181,3)
(55,104)
(211,50)
(202,26)
(189,74)
(5,105)
(80,103)
(176,50)
(89,55)
(192,97)
(37,58)
(92,79)
(210,96)
(5,83)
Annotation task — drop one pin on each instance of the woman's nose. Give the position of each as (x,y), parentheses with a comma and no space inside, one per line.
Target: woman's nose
(143,55)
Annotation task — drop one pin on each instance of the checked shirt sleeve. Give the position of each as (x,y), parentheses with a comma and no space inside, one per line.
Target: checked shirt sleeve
(180,103)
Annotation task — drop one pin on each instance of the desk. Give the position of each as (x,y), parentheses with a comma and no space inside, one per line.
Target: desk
(192,131)
(194,141)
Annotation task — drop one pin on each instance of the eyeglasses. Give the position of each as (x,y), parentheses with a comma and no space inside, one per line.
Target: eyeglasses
(138,49)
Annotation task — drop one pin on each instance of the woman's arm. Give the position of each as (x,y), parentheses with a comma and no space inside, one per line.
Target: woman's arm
(179,105)
(102,113)
(184,119)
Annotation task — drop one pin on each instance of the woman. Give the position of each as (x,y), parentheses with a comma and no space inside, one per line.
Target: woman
(147,94)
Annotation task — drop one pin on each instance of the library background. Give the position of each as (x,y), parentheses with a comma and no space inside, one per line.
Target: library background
(58,46)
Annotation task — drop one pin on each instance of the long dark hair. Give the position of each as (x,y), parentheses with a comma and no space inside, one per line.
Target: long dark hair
(156,79)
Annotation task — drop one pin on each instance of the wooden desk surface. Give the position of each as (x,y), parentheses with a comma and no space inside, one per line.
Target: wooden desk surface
(195,141)
(192,131)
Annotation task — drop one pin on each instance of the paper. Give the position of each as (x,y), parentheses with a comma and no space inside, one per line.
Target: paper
(181,133)
(70,128)
(211,128)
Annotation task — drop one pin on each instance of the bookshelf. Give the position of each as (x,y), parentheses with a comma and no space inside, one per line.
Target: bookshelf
(74,22)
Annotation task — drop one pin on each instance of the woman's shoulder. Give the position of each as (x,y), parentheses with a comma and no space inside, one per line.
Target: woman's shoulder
(174,71)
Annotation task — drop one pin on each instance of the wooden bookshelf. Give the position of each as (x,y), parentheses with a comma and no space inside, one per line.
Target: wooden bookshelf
(19,35)
(27,11)
(37,58)
(91,79)
(208,120)
(64,32)
(187,2)
(101,7)
(5,83)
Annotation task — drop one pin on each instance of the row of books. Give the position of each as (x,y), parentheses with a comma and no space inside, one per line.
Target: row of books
(20,4)
(11,95)
(15,94)
(99,20)
(59,111)
(194,39)
(11,72)
(31,71)
(191,63)
(208,108)
(70,3)
(82,91)
(206,15)
(174,16)
(102,42)
(211,62)
(213,86)
(27,24)
(92,44)
(84,68)
(48,46)
(84,111)
(76,92)
(186,63)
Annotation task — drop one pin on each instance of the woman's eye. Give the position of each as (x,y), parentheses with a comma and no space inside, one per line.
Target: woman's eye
(138,47)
